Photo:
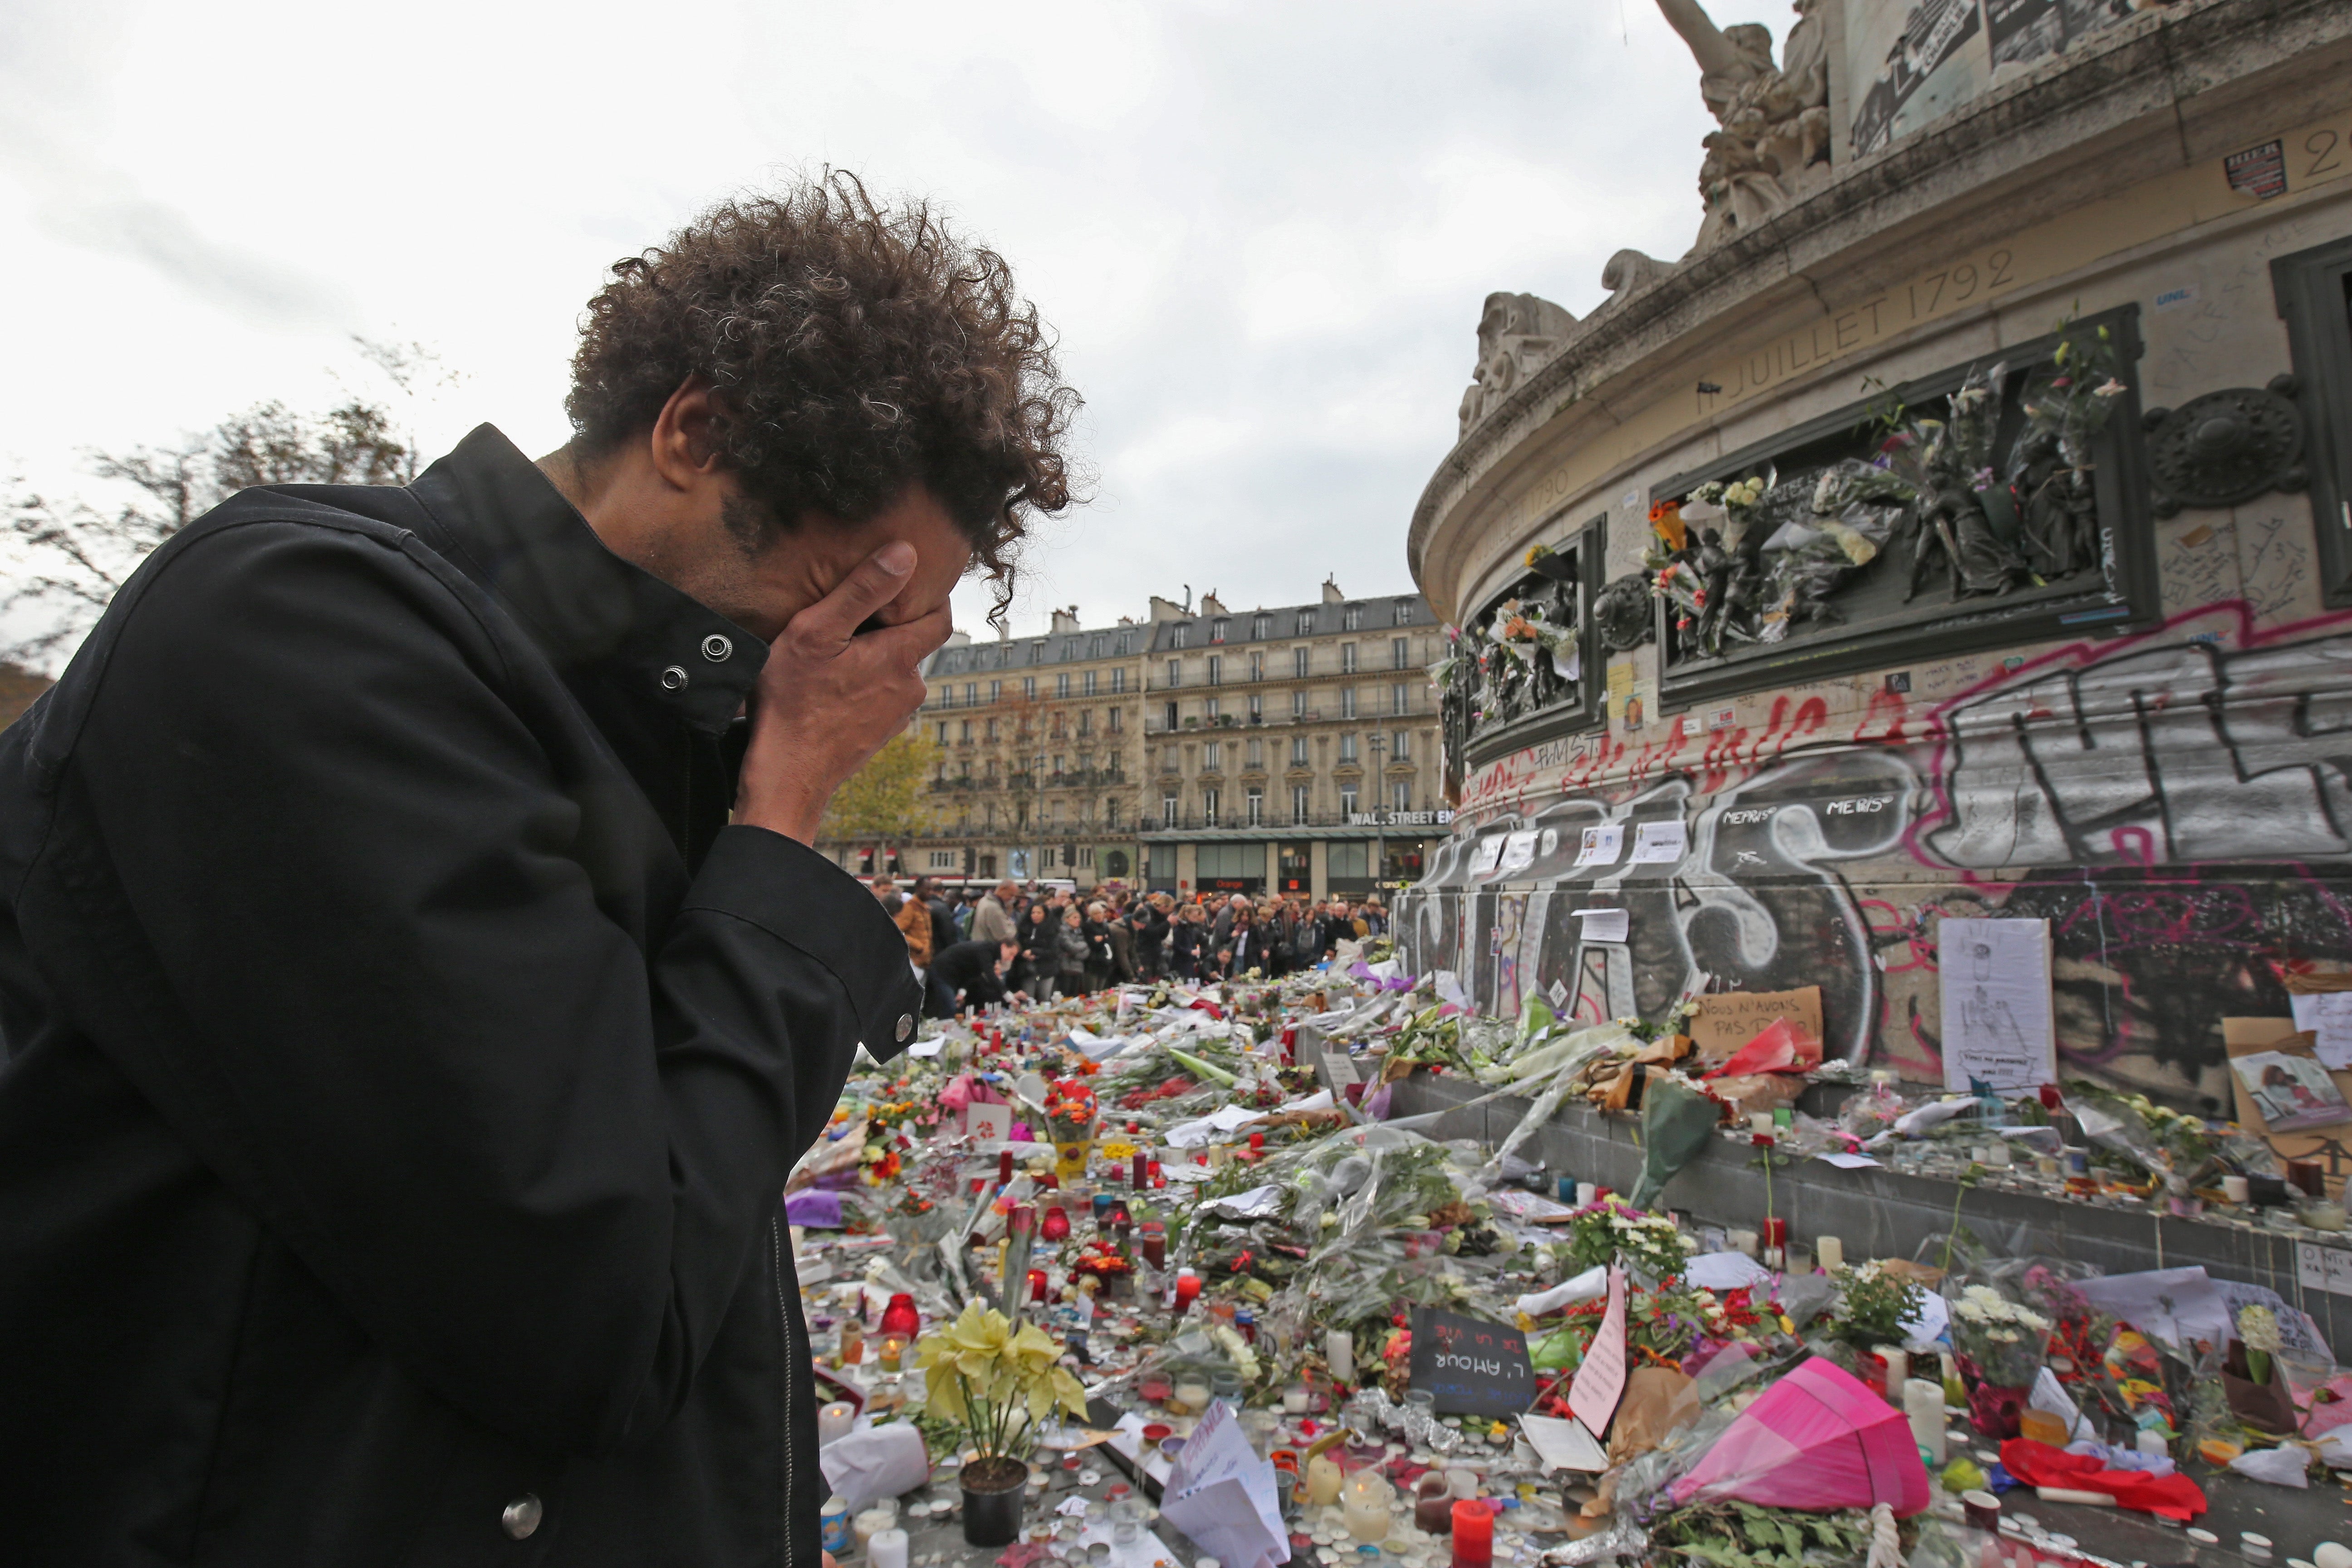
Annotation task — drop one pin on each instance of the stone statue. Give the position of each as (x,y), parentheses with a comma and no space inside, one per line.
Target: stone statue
(1775,119)
(1517,332)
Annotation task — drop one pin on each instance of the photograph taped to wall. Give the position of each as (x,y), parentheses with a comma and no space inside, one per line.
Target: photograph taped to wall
(2292,1092)
(1999,1025)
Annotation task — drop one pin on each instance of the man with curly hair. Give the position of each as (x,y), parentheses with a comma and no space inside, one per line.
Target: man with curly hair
(416,979)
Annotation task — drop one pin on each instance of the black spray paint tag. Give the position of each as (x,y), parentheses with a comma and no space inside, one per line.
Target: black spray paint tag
(1473,1366)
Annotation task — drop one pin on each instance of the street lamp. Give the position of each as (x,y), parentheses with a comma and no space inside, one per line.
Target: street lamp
(1380,822)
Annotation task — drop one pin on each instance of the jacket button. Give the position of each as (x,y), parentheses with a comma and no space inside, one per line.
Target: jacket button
(716,649)
(522,1515)
(906,1025)
(674,678)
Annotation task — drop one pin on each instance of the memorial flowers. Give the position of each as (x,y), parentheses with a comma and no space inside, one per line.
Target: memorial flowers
(1610,1231)
(996,1381)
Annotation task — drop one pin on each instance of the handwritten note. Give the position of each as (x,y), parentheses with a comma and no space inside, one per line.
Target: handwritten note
(1518,851)
(1604,925)
(1998,1022)
(2328,1015)
(1599,1382)
(1602,846)
(1472,1365)
(1728,1020)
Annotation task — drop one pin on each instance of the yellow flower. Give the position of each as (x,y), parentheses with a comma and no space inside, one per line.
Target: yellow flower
(981,1359)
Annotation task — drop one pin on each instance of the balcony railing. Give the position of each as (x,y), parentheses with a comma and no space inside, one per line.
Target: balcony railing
(1273,823)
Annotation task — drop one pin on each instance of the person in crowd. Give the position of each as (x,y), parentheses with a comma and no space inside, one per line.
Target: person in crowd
(943,927)
(1244,948)
(969,974)
(1224,920)
(1097,929)
(418,979)
(913,919)
(1376,918)
(1188,943)
(1070,954)
(1119,933)
(993,918)
(1041,952)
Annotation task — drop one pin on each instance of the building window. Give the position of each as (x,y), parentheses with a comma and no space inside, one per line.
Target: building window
(1298,751)
(1062,684)
(1209,807)
(1298,663)
(1260,626)
(1175,672)
(1037,652)
(1401,750)
(1348,747)
(1171,716)
(996,691)
(1399,652)
(1256,708)
(1110,719)
(1257,753)
(1089,682)
(1029,687)
(971,692)
(1125,645)
(1095,645)
(1401,795)
(1258,667)
(1211,757)
(991,733)
(1404,612)
(1298,804)
(1208,710)
(1348,800)
(943,731)
(1254,807)
(966,734)
(1307,623)
(2314,291)
(1058,767)
(1217,631)
(963,770)
(1179,635)
(1400,697)
(1347,658)
(1349,862)
(1118,679)
(1216,669)
(1086,721)
(1348,702)
(1298,705)
(1167,811)
(1352,617)
(1110,812)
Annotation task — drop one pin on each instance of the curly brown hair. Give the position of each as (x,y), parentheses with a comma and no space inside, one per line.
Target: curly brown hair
(853,348)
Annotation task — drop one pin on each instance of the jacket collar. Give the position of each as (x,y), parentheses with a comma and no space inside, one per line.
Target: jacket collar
(511,531)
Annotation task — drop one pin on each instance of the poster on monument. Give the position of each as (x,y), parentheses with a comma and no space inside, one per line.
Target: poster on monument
(1999,1026)
(1917,59)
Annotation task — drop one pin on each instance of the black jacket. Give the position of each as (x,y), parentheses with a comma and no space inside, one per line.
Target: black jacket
(969,967)
(405,1059)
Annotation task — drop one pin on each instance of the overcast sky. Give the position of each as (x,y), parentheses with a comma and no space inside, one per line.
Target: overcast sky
(1262,231)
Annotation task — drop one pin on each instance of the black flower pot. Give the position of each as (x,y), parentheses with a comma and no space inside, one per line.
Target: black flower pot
(992,1494)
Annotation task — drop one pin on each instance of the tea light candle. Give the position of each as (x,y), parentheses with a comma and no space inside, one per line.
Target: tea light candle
(1193,1394)
(1898,1368)
(1831,1251)
(1760,1121)
(834,1421)
(1923,1406)
(887,1549)
(1323,1479)
(2324,1216)
(1474,1534)
(1743,1241)
(1366,1501)
(1339,1351)
(2236,1189)
(1432,1503)
(871,1523)
(894,1351)
(1294,1400)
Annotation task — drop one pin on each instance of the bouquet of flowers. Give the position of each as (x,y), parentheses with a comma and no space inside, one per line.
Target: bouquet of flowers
(1649,1244)
(2001,1346)
(996,1381)
(1070,1117)
(1871,1308)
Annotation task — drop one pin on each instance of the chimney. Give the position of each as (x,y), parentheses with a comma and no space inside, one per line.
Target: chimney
(1168,610)
(1211,605)
(1066,620)
(1332,595)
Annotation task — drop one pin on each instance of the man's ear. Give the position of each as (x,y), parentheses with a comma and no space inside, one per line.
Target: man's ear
(685,439)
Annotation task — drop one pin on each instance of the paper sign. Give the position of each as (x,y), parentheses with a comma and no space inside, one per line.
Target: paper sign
(929,1048)
(1341,1067)
(991,1123)
(2326,1269)
(2328,1015)
(2290,1091)
(1564,1445)
(1728,1020)
(1599,1382)
(1660,843)
(1998,1022)
(1518,851)
(1490,851)
(2174,1305)
(1602,846)
(1604,925)
(1222,1494)
(1533,1208)
(1472,1365)
(2244,1036)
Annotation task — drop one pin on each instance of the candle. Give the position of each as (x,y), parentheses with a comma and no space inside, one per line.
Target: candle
(1743,1241)
(1775,1233)
(1137,1175)
(1432,1503)
(1155,1244)
(1923,1406)
(1760,1121)
(1339,1351)
(2306,1174)
(1323,1479)
(1188,1290)
(1365,1500)
(2324,1216)
(1294,1400)
(1474,1534)
(1003,1167)
(1898,1368)
(1831,1251)
(2236,1189)
(1587,1194)
(2151,1442)
(894,1351)
(1193,1394)
(871,1523)
(834,1421)
(853,1343)
(887,1549)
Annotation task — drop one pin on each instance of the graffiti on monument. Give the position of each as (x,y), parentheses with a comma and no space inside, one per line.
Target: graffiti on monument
(2176,804)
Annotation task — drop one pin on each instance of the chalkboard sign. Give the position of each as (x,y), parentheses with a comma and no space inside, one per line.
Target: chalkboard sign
(1473,1366)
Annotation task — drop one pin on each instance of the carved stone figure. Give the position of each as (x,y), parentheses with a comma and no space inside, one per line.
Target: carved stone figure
(1622,612)
(1775,119)
(2059,529)
(1517,332)
(1627,271)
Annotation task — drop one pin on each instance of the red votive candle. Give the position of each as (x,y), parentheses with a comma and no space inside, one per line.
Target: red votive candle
(1774,1233)
(1003,1166)
(1140,1176)
(1474,1534)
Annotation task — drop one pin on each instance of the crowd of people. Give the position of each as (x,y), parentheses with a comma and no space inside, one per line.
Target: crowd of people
(1015,943)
